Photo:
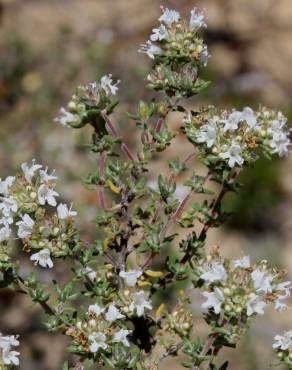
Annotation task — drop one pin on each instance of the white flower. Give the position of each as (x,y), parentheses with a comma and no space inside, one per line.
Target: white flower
(159,33)
(30,171)
(197,20)
(279,141)
(215,272)
(233,155)
(43,258)
(5,184)
(284,288)
(90,273)
(64,212)
(107,85)
(130,277)
(97,341)
(255,305)
(121,337)
(204,56)
(243,262)
(279,305)
(6,221)
(262,281)
(207,134)
(214,300)
(46,194)
(232,122)
(150,49)
(276,129)
(113,314)
(25,226)
(284,341)
(45,177)
(8,341)
(249,116)
(95,309)
(66,118)
(5,233)
(169,16)
(8,206)
(280,146)
(139,303)
(9,357)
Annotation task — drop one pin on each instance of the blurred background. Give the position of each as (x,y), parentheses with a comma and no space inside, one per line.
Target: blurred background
(48,47)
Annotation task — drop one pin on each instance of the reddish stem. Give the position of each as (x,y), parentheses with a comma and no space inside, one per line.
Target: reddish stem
(126,150)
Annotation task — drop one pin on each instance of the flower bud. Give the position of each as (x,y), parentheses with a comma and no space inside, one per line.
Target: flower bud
(227,291)
(33,195)
(227,308)
(92,323)
(72,105)
(56,230)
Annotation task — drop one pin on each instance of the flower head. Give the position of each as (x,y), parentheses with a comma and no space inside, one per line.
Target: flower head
(255,305)
(25,226)
(284,341)
(64,212)
(5,233)
(232,154)
(208,134)
(46,194)
(67,118)
(95,309)
(159,33)
(169,16)
(6,184)
(262,281)
(43,258)
(108,86)
(113,314)
(243,262)
(249,117)
(197,20)
(215,272)
(97,341)
(29,171)
(150,49)
(232,121)
(130,277)
(214,300)
(121,337)
(9,356)
(45,177)
(139,303)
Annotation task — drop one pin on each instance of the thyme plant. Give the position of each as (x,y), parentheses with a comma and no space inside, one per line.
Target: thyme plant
(109,308)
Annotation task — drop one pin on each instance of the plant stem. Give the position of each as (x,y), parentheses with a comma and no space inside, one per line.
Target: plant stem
(101,193)
(126,150)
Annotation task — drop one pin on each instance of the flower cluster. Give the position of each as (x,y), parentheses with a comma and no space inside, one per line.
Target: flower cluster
(177,40)
(178,51)
(23,205)
(105,326)
(237,137)
(283,347)
(100,329)
(88,99)
(8,357)
(237,289)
